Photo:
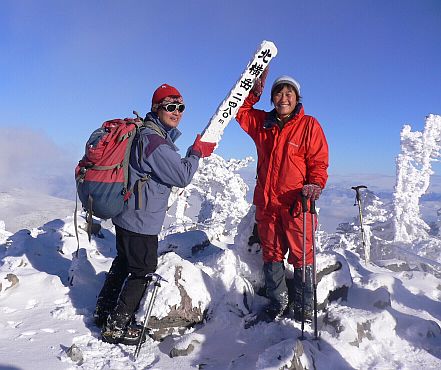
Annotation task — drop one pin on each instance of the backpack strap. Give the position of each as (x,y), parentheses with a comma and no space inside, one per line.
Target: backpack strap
(138,189)
(142,181)
(150,124)
(89,217)
(153,126)
(125,164)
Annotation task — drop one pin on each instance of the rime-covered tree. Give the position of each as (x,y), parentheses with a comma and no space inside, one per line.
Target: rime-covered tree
(414,168)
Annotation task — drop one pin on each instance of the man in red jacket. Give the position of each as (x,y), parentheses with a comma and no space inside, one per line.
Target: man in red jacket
(292,159)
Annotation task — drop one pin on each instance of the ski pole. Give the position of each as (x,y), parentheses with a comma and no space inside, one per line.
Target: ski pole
(358,200)
(304,210)
(158,278)
(314,265)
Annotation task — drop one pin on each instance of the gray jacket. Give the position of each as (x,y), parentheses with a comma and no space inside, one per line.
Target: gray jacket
(154,155)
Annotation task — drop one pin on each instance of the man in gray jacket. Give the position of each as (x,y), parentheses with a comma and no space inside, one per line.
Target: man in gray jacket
(155,167)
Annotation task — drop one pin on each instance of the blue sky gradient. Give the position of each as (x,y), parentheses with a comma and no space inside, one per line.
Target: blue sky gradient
(366,67)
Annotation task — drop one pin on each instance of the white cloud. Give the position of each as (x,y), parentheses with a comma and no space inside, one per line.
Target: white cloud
(31,160)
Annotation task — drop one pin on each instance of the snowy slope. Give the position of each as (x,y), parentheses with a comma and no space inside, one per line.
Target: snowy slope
(391,319)
(25,209)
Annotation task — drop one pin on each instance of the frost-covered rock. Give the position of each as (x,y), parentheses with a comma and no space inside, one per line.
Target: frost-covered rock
(12,279)
(353,326)
(175,352)
(186,344)
(248,252)
(187,244)
(75,354)
(178,304)
(221,267)
(333,278)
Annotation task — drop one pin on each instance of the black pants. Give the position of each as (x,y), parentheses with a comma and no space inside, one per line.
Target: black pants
(138,252)
(136,257)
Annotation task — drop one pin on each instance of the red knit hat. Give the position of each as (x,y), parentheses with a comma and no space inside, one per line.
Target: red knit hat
(162,92)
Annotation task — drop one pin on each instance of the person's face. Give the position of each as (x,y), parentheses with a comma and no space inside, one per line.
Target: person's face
(170,119)
(285,101)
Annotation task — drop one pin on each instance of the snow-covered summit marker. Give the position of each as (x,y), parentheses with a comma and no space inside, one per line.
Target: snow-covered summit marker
(234,100)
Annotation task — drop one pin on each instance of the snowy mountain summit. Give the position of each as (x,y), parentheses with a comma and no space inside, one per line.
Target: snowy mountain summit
(383,314)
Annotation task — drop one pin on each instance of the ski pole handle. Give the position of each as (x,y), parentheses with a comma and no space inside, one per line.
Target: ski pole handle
(359,187)
(156,277)
(357,191)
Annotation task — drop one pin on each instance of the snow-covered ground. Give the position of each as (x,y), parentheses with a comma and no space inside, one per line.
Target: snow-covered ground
(390,320)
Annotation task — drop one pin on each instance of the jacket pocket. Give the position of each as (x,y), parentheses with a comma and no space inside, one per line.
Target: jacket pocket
(294,150)
(156,195)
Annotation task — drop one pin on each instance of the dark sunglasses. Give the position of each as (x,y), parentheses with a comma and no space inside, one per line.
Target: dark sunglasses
(171,107)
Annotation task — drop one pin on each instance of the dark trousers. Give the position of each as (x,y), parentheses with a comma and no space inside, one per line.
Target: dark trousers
(138,252)
(136,257)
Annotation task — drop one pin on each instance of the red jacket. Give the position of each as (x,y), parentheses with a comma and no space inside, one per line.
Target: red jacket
(288,158)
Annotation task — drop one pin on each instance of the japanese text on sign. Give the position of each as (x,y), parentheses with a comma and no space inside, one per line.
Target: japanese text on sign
(246,83)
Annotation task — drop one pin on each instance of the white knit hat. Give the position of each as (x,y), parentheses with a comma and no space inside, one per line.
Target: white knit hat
(286,80)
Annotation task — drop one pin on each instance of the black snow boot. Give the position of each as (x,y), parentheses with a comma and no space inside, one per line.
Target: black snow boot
(121,329)
(100,314)
(109,293)
(120,326)
(116,327)
(294,309)
(276,292)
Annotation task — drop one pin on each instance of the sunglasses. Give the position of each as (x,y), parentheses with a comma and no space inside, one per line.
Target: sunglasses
(171,107)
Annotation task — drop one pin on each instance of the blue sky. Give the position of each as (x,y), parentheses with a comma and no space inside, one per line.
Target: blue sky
(366,67)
